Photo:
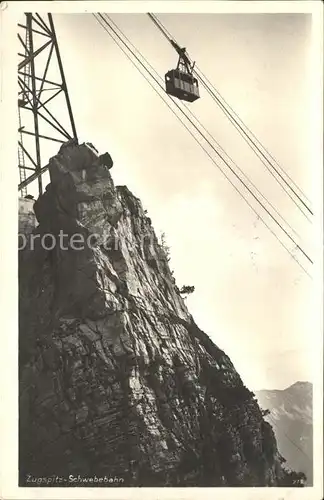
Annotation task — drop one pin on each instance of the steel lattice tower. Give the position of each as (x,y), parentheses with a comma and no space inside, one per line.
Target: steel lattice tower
(43,115)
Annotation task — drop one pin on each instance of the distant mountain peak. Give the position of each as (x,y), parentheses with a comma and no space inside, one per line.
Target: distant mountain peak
(301,385)
(292,420)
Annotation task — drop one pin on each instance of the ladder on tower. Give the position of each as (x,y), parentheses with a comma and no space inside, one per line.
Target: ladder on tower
(22,101)
(21,159)
(27,68)
(27,73)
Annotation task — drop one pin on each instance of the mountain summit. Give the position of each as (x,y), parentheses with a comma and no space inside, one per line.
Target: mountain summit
(116,378)
(291,415)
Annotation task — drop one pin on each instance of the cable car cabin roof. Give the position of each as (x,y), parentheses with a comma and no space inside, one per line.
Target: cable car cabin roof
(182,85)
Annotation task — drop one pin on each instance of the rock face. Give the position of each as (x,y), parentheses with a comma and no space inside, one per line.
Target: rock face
(291,414)
(115,376)
(27,219)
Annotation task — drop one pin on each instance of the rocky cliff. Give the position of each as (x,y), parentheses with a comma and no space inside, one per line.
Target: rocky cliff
(116,379)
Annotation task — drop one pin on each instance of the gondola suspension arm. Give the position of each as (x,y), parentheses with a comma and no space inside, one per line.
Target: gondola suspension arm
(183,56)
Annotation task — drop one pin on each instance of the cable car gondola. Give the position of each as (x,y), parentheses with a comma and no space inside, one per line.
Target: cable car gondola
(180,82)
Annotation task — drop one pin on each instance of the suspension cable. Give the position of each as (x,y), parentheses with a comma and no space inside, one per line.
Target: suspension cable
(255,138)
(239,127)
(152,76)
(257,150)
(162,96)
(206,131)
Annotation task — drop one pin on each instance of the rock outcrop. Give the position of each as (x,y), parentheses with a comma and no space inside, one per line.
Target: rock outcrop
(27,220)
(115,376)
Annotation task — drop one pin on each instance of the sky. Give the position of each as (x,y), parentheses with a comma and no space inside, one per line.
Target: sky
(250,297)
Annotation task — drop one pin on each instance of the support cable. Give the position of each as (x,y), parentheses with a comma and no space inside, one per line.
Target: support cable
(206,131)
(235,121)
(100,19)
